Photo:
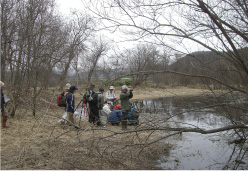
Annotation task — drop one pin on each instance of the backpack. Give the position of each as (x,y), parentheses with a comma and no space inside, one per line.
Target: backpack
(100,101)
(61,100)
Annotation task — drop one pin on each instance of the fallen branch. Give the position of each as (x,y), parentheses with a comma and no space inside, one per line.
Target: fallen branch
(196,130)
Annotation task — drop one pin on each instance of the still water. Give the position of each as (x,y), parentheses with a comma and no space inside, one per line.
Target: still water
(195,150)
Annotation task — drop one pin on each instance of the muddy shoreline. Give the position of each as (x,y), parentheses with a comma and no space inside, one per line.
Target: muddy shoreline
(155,93)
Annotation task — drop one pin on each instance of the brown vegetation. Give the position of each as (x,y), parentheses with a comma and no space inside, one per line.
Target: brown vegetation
(40,142)
(41,49)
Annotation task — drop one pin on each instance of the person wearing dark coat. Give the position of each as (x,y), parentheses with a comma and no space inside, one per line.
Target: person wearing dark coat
(70,104)
(125,95)
(92,99)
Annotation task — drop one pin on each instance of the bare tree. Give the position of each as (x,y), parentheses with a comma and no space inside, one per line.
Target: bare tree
(142,58)
(88,61)
(34,45)
(217,26)
(81,28)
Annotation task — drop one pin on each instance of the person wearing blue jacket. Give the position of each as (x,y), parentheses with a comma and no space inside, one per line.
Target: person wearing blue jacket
(114,117)
(70,104)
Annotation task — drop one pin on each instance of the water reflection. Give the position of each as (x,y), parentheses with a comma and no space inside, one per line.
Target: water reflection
(193,150)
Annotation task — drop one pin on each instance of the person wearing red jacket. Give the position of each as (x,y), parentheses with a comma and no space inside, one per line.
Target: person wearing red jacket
(67,88)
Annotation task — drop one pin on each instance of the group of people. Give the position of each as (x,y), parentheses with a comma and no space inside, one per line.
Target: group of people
(99,106)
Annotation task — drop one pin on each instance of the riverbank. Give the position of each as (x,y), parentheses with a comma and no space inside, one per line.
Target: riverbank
(40,142)
(155,93)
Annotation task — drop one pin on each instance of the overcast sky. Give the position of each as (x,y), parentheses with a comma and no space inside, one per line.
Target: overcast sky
(65,6)
(114,39)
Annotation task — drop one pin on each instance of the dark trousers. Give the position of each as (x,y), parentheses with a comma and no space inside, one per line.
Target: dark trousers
(124,116)
(94,115)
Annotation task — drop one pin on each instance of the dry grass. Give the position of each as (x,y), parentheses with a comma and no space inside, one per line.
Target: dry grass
(153,93)
(40,142)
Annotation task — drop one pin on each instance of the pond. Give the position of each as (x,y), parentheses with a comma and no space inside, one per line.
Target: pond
(195,150)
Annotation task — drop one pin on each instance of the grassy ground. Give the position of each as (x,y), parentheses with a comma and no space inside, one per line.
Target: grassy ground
(40,142)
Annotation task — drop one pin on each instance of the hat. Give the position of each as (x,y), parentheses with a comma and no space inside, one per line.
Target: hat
(92,85)
(73,87)
(111,88)
(68,86)
(117,107)
(124,87)
(110,102)
(1,84)
(101,89)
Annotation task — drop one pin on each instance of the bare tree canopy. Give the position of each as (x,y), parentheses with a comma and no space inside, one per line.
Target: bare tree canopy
(185,61)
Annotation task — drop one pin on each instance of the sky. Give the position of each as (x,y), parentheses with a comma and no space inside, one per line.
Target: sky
(65,6)
(114,39)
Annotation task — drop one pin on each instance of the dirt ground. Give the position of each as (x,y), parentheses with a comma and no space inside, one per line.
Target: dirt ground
(40,142)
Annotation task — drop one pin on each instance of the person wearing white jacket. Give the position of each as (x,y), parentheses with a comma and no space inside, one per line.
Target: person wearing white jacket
(105,113)
(110,95)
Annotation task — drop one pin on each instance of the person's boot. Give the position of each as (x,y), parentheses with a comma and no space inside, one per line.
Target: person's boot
(4,121)
(124,125)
